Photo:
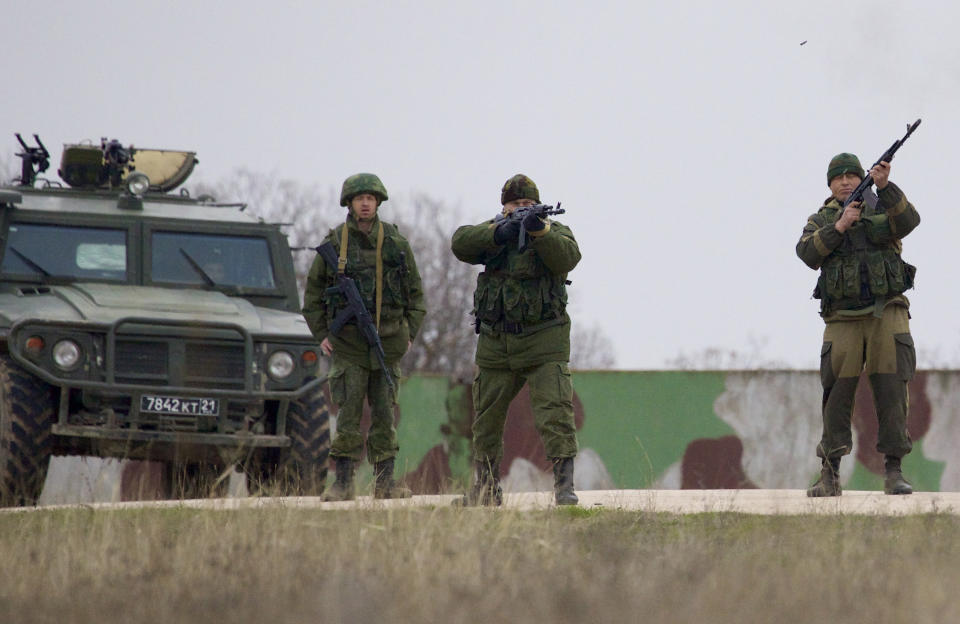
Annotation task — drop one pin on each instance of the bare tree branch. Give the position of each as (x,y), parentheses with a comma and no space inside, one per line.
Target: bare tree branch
(590,348)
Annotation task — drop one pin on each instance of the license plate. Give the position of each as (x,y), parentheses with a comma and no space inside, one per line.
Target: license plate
(178,405)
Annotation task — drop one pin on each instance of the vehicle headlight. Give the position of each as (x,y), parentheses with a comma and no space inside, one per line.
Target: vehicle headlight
(66,354)
(138,183)
(280,365)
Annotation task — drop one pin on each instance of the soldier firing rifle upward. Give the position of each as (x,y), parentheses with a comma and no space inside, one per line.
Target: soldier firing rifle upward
(861,289)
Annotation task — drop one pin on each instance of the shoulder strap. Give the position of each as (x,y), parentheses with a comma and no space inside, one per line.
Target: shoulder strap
(342,262)
(379,271)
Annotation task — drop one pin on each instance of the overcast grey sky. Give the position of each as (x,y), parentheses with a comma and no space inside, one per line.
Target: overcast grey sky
(688,140)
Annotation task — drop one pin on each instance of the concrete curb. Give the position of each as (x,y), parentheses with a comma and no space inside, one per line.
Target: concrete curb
(764,502)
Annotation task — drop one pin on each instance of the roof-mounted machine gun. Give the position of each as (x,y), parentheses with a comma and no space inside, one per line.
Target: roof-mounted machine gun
(34,160)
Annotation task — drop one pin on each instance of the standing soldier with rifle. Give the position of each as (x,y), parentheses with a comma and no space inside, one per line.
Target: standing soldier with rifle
(855,242)
(520,313)
(365,357)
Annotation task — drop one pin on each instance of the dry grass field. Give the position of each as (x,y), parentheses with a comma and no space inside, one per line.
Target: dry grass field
(279,566)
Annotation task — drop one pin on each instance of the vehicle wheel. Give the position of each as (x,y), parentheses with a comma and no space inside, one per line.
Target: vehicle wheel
(301,468)
(27,413)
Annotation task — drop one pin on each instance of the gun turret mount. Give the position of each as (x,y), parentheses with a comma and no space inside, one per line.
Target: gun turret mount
(34,160)
(108,165)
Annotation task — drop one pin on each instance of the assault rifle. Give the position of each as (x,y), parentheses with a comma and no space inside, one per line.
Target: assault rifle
(541,210)
(867,181)
(347,288)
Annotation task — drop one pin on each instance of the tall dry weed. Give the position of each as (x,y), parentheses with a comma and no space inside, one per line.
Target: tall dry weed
(476,565)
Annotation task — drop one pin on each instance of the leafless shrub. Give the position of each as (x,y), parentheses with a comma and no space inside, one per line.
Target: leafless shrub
(590,348)
(718,358)
(447,339)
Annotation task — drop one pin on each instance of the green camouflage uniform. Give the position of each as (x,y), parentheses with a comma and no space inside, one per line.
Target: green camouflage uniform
(355,371)
(520,309)
(861,285)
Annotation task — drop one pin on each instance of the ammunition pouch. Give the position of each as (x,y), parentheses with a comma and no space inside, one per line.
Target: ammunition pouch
(508,302)
(854,280)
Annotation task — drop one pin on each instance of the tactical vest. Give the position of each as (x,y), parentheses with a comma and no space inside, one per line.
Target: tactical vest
(517,289)
(866,266)
(361,266)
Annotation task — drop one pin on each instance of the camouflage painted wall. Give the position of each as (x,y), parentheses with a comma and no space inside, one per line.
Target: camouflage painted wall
(675,429)
(653,429)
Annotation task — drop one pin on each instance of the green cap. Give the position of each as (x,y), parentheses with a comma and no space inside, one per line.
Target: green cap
(362,183)
(843,163)
(519,187)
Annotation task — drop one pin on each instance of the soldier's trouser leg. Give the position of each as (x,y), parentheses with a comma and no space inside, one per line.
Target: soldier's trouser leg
(493,389)
(841,360)
(890,363)
(551,396)
(884,347)
(382,439)
(348,386)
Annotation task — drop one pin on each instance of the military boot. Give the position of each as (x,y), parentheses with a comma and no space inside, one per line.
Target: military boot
(486,489)
(385,486)
(893,481)
(563,492)
(829,482)
(342,488)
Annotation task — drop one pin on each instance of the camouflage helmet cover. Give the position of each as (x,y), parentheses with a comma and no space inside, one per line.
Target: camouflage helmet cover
(362,183)
(519,187)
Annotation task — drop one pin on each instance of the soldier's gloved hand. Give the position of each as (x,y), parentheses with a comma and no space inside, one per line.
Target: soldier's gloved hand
(507,231)
(533,223)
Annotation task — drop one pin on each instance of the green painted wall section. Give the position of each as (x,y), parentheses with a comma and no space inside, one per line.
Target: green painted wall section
(640,422)
(923,473)
(423,411)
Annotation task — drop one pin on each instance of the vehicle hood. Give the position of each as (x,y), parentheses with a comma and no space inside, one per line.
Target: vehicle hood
(106,303)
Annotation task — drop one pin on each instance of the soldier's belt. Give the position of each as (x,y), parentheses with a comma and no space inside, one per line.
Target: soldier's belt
(506,327)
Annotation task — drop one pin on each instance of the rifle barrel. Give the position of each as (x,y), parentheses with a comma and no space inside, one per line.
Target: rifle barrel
(887,156)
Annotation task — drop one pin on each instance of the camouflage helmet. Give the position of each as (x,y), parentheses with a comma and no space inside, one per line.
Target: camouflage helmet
(844,163)
(362,183)
(519,187)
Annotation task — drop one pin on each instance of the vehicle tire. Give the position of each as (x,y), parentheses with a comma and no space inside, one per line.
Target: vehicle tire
(301,468)
(27,415)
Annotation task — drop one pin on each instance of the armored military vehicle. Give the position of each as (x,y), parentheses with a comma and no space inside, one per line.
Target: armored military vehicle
(138,323)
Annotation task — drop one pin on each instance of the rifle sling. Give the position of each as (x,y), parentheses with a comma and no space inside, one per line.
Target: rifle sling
(342,262)
(379,272)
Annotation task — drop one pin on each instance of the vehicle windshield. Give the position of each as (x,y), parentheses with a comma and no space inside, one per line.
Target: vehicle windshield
(211,259)
(39,250)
